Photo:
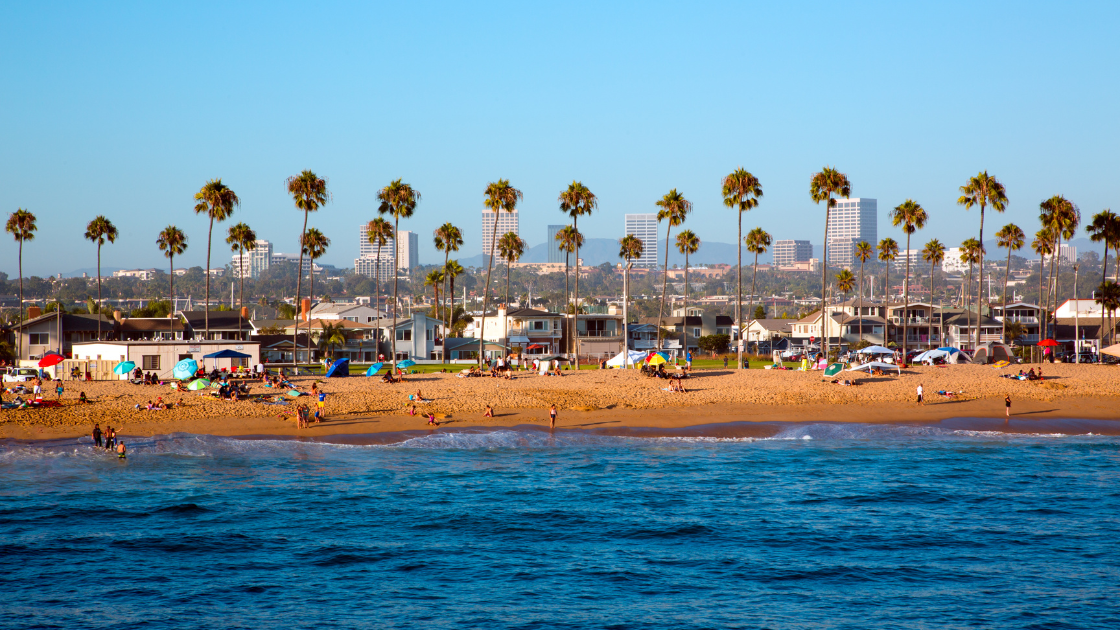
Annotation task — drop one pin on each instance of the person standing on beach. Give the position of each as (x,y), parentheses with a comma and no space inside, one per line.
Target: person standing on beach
(97,435)
(321,414)
(1007,408)
(552,417)
(921,401)
(688,361)
(58,391)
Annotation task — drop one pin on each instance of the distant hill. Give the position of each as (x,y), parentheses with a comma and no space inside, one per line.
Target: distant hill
(596,251)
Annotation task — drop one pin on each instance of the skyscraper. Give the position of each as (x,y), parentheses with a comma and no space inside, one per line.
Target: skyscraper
(788,252)
(553,245)
(851,221)
(644,226)
(507,222)
(256,261)
(367,261)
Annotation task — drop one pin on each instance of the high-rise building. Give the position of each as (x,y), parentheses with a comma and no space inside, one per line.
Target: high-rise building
(851,221)
(644,226)
(1067,252)
(553,245)
(788,252)
(408,258)
(256,260)
(507,222)
(366,264)
(293,259)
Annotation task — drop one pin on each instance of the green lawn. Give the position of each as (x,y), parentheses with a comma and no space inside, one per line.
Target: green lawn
(697,364)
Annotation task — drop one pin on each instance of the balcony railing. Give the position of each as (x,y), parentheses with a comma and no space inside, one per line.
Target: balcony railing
(599,333)
(530,332)
(910,321)
(1025,319)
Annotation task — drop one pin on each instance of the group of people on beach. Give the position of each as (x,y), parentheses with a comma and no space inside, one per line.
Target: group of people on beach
(107,439)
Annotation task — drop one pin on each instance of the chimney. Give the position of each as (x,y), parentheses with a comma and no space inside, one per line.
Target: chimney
(33,312)
(612,309)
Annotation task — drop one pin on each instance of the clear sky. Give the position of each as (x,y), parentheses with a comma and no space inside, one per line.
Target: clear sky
(126,109)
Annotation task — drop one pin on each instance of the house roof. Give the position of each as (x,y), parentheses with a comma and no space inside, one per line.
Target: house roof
(454,343)
(525,312)
(724,320)
(218,320)
(772,324)
(143,324)
(963,319)
(70,321)
(280,341)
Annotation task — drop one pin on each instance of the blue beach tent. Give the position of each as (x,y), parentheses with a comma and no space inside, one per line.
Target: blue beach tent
(340,367)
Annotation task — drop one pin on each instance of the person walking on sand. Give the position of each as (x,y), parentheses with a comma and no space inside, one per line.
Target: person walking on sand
(921,400)
(552,417)
(321,412)
(97,435)
(1007,408)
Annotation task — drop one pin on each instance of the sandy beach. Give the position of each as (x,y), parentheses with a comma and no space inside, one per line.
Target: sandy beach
(595,400)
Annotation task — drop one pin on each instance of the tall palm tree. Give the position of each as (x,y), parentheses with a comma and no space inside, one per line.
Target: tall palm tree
(172,242)
(629,247)
(448,238)
(314,245)
(845,281)
(1043,245)
(1108,296)
(911,217)
(570,240)
(309,192)
(499,197)
(21,225)
(451,270)
(982,190)
(672,208)
(687,243)
(577,200)
(822,187)
(741,190)
(378,232)
(330,336)
(888,252)
(100,230)
(510,249)
(216,201)
(934,254)
(1010,236)
(971,253)
(1105,227)
(1061,217)
(864,252)
(434,279)
(757,241)
(241,239)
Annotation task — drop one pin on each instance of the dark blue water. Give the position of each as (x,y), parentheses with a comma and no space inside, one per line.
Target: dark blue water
(857,527)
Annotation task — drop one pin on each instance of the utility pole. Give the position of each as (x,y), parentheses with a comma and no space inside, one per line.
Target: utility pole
(1076,319)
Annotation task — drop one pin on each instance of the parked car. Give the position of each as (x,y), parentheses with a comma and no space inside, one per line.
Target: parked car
(20,375)
(1086,357)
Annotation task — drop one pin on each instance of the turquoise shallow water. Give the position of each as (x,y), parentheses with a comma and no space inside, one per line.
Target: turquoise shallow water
(823,526)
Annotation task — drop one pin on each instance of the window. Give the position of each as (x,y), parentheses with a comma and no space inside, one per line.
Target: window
(402,356)
(351,319)
(538,325)
(428,333)
(369,320)
(149,362)
(404,335)
(695,332)
(40,339)
(184,356)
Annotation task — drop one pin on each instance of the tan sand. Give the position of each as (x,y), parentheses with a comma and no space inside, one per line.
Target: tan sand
(595,399)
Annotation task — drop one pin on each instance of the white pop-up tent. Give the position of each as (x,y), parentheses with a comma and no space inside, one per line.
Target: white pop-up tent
(636,359)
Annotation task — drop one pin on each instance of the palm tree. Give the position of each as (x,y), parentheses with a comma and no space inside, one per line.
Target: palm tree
(863,252)
(510,249)
(1108,296)
(934,254)
(845,281)
(1061,217)
(912,217)
(448,238)
(314,245)
(172,242)
(822,187)
(1010,236)
(575,201)
(687,243)
(1105,227)
(672,208)
(888,252)
(570,240)
(309,192)
(757,241)
(241,239)
(982,190)
(500,196)
(21,225)
(217,201)
(100,230)
(434,279)
(741,190)
(378,232)
(971,252)
(330,336)
(630,247)
(451,270)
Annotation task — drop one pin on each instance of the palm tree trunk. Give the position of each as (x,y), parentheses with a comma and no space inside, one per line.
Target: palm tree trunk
(968,306)
(310,299)
(241,290)
(664,284)
(19,351)
(486,291)
(299,290)
(1057,276)
(859,314)
(824,278)
(396,264)
(980,285)
(886,302)
(567,304)
(575,327)
(451,312)
(377,302)
(626,317)
(1006,273)
(99,305)
(209,238)
(449,296)
(1104,278)
(171,289)
(932,271)
(685,318)
(739,292)
(906,299)
(754,287)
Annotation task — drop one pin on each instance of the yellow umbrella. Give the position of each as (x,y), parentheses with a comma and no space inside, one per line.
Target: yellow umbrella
(1114,350)
(656,359)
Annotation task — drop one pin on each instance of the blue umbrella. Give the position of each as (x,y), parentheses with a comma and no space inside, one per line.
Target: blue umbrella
(124,367)
(407,363)
(185,369)
(374,369)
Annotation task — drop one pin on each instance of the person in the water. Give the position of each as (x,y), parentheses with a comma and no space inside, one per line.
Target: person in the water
(121,450)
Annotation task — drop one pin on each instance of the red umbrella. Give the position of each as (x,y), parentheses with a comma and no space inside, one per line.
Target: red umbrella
(51,358)
(1048,342)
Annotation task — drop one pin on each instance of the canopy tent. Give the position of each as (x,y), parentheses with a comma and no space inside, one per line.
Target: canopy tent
(1113,350)
(871,365)
(339,368)
(930,355)
(374,369)
(225,354)
(620,360)
(875,350)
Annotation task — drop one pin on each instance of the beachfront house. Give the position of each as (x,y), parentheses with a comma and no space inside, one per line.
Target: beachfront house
(960,328)
(419,338)
(98,358)
(46,333)
(598,335)
(224,325)
(363,313)
(763,333)
(922,322)
(525,331)
(1029,317)
(643,337)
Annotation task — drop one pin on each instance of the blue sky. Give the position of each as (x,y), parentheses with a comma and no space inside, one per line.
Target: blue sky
(126,109)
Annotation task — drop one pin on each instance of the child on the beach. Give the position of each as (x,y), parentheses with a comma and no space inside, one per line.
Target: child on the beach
(489,412)
(432,419)
(552,417)
(58,391)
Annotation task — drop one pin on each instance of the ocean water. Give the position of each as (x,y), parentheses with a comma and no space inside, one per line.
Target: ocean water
(821,526)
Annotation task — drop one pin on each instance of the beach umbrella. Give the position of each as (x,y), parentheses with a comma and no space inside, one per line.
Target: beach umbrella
(185,369)
(407,363)
(1113,350)
(374,369)
(1048,343)
(655,359)
(834,369)
(124,367)
(51,358)
(198,384)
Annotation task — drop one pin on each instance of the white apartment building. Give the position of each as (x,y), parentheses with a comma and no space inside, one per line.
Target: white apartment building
(1067,253)
(278,258)
(256,261)
(953,263)
(644,226)
(851,221)
(507,222)
(142,274)
(367,264)
(787,252)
